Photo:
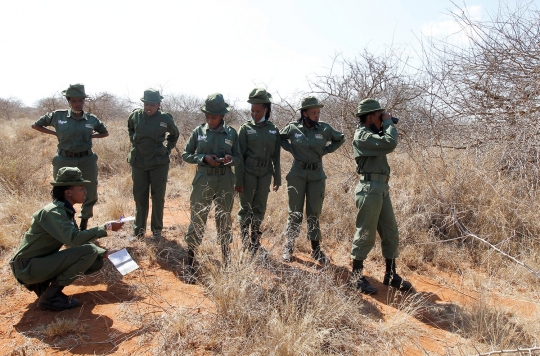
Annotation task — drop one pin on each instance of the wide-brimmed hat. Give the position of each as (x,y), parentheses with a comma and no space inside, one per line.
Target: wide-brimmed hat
(75,91)
(367,106)
(259,96)
(215,105)
(151,96)
(69,176)
(310,102)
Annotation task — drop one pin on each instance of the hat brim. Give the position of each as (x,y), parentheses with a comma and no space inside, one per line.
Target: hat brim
(74,96)
(259,101)
(63,184)
(223,112)
(368,112)
(318,106)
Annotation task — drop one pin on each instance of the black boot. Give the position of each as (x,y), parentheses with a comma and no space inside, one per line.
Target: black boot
(244,228)
(360,282)
(189,270)
(52,298)
(225,254)
(83,225)
(317,254)
(38,288)
(393,279)
(255,242)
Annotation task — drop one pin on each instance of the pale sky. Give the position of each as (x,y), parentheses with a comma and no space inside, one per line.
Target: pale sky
(201,47)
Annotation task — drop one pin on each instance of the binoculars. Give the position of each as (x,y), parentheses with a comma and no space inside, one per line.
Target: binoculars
(394,120)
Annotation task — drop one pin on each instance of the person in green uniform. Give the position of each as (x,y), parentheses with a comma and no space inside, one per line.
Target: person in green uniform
(259,146)
(213,147)
(375,137)
(39,264)
(308,140)
(75,130)
(149,158)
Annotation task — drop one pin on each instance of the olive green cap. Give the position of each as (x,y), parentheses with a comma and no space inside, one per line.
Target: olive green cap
(75,91)
(310,102)
(69,176)
(368,105)
(259,96)
(151,96)
(215,105)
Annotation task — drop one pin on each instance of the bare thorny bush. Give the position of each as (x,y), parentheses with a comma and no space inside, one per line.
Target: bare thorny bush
(467,163)
(469,118)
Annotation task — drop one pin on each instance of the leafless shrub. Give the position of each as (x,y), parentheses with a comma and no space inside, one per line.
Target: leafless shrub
(10,108)
(50,104)
(107,106)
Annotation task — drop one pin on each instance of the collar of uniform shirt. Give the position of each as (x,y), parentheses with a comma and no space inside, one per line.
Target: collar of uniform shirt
(67,205)
(260,123)
(222,128)
(69,114)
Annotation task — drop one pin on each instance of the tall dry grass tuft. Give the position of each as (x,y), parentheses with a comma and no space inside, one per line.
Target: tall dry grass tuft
(489,324)
(263,307)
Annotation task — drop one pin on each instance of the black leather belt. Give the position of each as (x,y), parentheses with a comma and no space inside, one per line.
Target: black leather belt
(374,177)
(20,263)
(70,154)
(213,170)
(308,166)
(258,163)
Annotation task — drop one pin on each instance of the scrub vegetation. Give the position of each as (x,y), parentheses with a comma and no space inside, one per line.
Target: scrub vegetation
(464,184)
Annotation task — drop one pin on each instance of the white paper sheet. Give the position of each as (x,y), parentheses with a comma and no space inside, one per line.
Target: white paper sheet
(126,219)
(123,262)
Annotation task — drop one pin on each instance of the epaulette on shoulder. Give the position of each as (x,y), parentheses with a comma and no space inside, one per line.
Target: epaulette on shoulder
(135,110)
(363,134)
(90,114)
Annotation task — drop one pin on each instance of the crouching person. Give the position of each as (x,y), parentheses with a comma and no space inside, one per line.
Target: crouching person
(39,264)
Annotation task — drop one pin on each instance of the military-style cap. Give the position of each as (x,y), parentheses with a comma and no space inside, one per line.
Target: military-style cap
(310,102)
(215,105)
(368,105)
(69,176)
(151,96)
(75,91)
(259,96)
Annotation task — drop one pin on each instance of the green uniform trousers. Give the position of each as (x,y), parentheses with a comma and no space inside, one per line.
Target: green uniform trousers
(254,198)
(149,182)
(305,185)
(66,265)
(89,169)
(207,188)
(375,213)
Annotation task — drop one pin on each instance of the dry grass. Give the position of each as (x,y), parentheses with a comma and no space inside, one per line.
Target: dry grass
(269,308)
(62,327)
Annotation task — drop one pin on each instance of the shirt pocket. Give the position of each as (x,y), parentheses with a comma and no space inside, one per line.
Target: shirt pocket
(87,131)
(202,147)
(226,146)
(161,130)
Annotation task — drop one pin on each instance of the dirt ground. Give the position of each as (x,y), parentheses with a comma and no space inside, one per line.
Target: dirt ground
(105,332)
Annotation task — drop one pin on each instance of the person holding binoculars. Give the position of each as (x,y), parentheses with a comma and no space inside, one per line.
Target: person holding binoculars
(375,137)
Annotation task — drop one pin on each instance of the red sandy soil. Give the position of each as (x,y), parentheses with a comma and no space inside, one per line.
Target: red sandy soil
(106,333)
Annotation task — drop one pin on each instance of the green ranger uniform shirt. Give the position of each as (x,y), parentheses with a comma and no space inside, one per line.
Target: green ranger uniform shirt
(73,134)
(309,145)
(147,134)
(53,227)
(260,147)
(370,149)
(204,141)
